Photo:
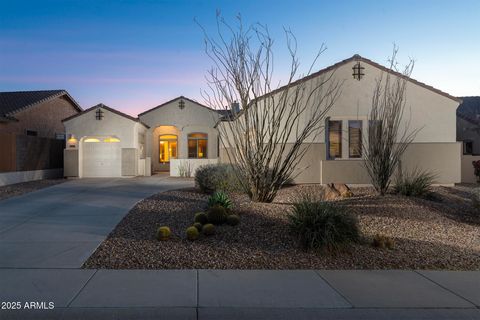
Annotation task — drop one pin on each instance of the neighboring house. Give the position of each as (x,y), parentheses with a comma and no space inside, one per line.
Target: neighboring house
(468,133)
(330,159)
(468,125)
(175,136)
(32,135)
(36,113)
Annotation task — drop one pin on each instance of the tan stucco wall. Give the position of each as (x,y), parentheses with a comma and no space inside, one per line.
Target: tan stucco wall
(45,118)
(129,162)
(443,159)
(429,111)
(70,163)
(193,118)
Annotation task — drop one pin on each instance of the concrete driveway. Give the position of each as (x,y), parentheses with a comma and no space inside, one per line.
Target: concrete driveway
(61,226)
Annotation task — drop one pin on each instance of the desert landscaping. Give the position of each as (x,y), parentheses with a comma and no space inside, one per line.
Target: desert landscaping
(437,231)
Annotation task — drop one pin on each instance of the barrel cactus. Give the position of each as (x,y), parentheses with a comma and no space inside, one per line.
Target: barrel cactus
(233,220)
(198,225)
(217,215)
(192,233)
(201,217)
(163,233)
(208,229)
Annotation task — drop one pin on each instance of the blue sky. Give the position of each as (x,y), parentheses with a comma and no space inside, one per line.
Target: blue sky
(133,55)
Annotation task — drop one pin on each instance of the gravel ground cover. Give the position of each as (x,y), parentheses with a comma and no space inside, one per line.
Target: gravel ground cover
(26,187)
(438,232)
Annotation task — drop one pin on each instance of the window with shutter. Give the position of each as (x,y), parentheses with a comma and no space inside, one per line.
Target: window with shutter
(334,139)
(355,138)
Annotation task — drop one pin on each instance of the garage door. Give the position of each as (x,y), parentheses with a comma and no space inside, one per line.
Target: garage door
(101,159)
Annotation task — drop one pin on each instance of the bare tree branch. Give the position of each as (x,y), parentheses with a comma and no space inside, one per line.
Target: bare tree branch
(270,135)
(388,135)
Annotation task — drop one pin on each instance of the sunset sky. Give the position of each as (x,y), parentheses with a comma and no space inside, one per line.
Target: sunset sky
(134,55)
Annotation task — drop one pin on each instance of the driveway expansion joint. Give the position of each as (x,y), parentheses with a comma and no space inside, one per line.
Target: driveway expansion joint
(81,289)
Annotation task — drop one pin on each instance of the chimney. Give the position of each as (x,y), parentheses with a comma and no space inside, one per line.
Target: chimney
(235,107)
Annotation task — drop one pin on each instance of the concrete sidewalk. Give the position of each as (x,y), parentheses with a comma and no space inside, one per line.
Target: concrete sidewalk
(241,294)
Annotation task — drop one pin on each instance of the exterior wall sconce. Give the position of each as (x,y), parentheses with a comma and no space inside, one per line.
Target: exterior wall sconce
(181,104)
(72,142)
(358,71)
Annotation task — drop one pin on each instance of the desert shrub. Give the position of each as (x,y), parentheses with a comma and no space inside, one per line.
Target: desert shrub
(415,183)
(323,225)
(382,242)
(476,198)
(198,225)
(201,217)
(192,233)
(217,214)
(217,177)
(208,229)
(185,169)
(220,198)
(163,233)
(233,220)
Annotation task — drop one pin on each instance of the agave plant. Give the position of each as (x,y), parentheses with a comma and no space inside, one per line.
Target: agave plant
(220,198)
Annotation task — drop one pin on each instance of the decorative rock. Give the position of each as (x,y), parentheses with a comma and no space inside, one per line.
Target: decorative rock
(331,193)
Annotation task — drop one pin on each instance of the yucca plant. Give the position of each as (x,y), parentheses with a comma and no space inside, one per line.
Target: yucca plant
(323,225)
(415,183)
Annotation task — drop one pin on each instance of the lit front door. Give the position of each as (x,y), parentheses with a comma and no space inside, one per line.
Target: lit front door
(167,150)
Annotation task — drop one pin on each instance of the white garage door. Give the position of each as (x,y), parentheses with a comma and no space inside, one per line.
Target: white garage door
(101,159)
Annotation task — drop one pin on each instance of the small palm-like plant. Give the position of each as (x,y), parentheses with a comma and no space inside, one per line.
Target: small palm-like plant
(220,198)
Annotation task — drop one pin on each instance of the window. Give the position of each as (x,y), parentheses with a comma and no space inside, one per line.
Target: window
(467,147)
(355,138)
(167,148)
(197,145)
(32,133)
(334,139)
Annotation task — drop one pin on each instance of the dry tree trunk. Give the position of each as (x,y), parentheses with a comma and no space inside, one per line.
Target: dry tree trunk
(388,135)
(271,132)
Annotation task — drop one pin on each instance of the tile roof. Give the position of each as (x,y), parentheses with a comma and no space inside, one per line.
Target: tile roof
(101,105)
(178,98)
(13,102)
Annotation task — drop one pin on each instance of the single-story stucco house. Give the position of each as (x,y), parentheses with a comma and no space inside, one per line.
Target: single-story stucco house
(174,136)
(181,134)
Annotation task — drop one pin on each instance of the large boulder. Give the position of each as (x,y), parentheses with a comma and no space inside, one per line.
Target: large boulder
(343,189)
(331,193)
